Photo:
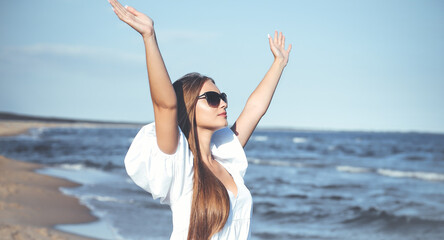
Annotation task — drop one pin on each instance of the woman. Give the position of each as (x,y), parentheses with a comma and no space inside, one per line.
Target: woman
(187,157)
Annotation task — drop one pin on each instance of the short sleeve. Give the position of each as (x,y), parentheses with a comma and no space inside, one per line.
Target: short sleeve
(165,176)
(226,148)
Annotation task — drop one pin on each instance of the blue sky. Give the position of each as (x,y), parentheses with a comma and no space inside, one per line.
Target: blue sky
(355,65)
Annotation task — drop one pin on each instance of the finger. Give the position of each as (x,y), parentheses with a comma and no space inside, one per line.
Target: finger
(116,5)
(270,40)
(133,11)
(275,37)
(112,5)
(280,39)
(289,48)
(283,42)
(120,10)
(116,8)
(119,14)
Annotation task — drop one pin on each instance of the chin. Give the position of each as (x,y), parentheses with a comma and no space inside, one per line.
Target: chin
(215,125)
(220,126)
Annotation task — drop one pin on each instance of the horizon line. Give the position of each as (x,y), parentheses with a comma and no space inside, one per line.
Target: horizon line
(30,117)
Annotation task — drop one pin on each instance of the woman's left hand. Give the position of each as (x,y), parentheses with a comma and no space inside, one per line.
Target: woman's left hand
(277,46)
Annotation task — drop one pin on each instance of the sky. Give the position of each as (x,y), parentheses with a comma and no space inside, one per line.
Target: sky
(355,65)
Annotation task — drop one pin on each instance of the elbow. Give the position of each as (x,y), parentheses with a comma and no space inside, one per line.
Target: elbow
(261,113)
(258,105)
(166,105)
(257,109)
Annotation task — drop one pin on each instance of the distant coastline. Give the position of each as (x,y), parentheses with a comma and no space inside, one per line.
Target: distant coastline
(23,117)
(12,124)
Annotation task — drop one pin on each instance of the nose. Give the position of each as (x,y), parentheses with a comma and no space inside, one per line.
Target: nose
(223,104)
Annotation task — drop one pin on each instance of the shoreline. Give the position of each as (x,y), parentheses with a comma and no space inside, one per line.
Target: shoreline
(31,204)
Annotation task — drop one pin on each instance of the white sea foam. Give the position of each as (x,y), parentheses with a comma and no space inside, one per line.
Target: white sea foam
(275,163)
(37,132)
(100,198)
(331,147)
(429,176)
(33,134)
(76,167)
(106,199)
(299,140)
(352,169)
(260,138)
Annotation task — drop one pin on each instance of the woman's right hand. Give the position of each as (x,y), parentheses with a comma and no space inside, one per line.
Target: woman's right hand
(137,20)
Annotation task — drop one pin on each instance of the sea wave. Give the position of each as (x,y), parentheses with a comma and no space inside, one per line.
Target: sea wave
(108,166)
(101,198)
(260,138)
(33,134)
(36,133)
(75,167)
(352,169)
(285,235)
(299,140)
(289,162)
(428,176)
(276,162)
(387,221)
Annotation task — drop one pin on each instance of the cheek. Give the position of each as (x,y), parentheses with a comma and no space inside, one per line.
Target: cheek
(203,114)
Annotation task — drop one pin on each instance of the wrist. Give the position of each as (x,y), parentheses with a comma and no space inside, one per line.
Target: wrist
(280,62)
(149,37)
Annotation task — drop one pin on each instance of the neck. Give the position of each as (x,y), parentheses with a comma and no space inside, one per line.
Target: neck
(204,144)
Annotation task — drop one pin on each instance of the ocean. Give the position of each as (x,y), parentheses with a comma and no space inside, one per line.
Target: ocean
(305,184)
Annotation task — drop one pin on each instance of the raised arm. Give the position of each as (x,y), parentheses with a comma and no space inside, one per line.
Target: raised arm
(161,88)
(259,100)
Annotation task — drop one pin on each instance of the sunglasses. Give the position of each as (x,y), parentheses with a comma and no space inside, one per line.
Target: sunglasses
(213,98)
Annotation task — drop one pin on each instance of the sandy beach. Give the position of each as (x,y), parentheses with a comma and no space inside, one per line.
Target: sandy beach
(30,203)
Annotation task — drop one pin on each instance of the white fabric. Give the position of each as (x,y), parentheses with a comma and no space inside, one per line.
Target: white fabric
(170,178)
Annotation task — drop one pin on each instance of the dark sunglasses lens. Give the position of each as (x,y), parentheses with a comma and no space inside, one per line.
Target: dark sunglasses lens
(224,97)
(213,99)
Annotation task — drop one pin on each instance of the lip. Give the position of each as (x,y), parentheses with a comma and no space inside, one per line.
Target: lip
(224,114)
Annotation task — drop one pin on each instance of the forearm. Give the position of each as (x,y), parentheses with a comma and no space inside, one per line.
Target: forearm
(162,91)
(260,99)
(161,88)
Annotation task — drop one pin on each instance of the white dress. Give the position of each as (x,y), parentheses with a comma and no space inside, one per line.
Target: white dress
(170,178)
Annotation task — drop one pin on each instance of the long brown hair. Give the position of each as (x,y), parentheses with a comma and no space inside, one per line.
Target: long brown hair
(211,204)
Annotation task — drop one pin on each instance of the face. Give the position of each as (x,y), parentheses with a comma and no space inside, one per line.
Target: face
(208,117)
